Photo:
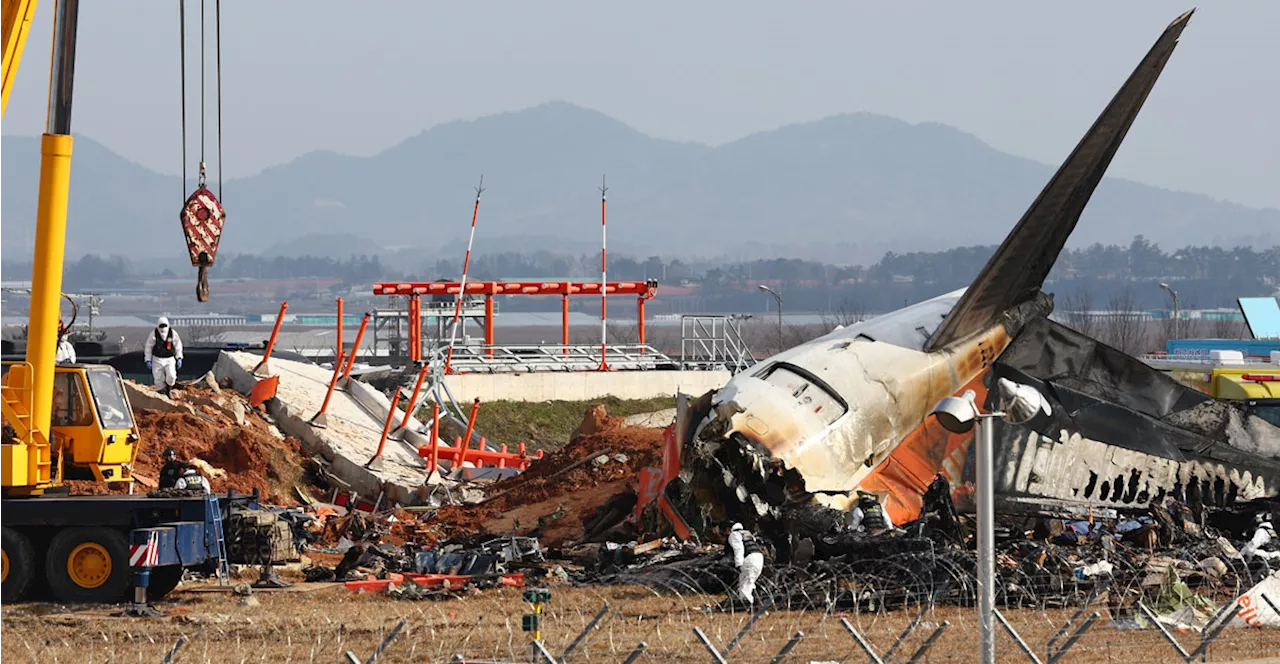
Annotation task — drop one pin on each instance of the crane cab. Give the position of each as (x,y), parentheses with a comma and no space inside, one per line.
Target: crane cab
(94,433)
(93,421)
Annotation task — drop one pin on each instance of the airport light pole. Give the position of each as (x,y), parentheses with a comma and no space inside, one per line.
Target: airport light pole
(1176,312)
(960,415)
(777,297)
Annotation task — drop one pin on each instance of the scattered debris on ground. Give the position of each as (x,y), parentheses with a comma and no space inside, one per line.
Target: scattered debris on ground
(574,516)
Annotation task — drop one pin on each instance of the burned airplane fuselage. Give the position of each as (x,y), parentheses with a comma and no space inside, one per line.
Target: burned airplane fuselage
(817,419)
(820,419)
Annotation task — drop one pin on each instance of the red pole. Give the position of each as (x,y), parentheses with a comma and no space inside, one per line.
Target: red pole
(471,426)
(320,419)
(462,287)
(564,322)
(604,279)
(408,331)
(640,319)
(417,387)
(271,343)
(435,434)
(340,348)
(414,335)
(488,322)
(386,428)
(417,328)
(355,348)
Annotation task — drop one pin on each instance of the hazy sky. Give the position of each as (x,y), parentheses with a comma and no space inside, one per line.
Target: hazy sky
(1027,77)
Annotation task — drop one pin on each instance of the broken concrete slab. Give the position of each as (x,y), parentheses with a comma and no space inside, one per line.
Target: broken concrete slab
(351,438)
(408,438)
(142,396)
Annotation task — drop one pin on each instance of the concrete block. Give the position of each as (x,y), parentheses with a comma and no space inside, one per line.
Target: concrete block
(141,396)
(353,429)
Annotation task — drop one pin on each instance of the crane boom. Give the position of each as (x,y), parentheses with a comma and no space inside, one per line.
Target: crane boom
(94,435)
(17,16)
(29,392)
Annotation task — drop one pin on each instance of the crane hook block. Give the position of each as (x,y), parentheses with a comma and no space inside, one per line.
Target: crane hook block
(202,218)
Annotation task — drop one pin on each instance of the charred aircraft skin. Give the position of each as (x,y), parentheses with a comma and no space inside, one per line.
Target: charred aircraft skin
(1124,434)
(833,409)
(816,420)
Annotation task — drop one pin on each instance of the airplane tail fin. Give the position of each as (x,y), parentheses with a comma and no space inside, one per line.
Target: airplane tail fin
(1018,269)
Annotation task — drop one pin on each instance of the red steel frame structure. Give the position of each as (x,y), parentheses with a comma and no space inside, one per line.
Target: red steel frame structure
(643,290)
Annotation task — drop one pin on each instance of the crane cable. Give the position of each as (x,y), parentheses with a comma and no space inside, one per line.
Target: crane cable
(203,228)
(182,71)
(182,63)
(217,40)
(202,102)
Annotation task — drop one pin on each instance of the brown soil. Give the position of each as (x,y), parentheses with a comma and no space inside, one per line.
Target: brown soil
(251,455)
(598,434)
(244,453)
(556,489)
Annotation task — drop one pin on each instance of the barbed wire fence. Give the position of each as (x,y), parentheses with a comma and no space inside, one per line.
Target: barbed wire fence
(910,607)
(838,614)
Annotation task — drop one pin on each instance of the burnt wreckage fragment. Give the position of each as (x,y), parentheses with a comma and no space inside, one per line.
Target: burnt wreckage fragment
(1123,434)
(848,411)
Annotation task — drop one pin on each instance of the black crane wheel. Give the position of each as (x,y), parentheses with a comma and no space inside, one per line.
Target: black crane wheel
(89,565)
(19,565)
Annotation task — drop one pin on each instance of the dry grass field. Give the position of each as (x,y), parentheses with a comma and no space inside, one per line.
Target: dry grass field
(322,625)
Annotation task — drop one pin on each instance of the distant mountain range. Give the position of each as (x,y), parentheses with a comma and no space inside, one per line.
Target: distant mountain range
(844,189)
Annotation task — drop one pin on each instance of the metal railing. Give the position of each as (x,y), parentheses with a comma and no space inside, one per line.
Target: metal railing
(544,358)
(713,342)
(1203,363)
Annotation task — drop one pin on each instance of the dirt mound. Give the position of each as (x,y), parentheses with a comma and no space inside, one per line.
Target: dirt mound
(558,492)
(578,465)
(223,431)
(251,459)
(597,420)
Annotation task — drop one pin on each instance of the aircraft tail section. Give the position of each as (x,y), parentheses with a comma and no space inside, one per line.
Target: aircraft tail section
(1019,267)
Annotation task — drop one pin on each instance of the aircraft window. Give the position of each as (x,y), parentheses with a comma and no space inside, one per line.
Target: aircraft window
(70,403)
(113,410)
(808,391)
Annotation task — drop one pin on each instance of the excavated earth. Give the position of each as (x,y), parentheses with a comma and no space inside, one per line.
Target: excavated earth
(221,429)
(558,492)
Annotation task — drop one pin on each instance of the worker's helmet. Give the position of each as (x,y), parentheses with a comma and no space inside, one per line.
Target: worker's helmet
(170,453)
(163,322)
(736,526)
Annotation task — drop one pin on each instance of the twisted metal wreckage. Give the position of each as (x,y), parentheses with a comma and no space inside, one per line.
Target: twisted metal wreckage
(848,411)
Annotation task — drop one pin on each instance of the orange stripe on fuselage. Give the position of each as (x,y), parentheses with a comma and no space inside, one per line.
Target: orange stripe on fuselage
(905,474)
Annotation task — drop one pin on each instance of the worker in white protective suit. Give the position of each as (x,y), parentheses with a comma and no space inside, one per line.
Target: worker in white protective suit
(66,352)
(748,557)
(163,352)
(1261,538)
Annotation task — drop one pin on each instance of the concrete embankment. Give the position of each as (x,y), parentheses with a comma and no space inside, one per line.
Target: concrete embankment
(582,385)
(350,438)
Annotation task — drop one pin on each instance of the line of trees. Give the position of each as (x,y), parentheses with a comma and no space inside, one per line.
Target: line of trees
(1206,276)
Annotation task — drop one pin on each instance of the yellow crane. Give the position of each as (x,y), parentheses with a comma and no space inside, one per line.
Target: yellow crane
(75,421)
(29,387)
